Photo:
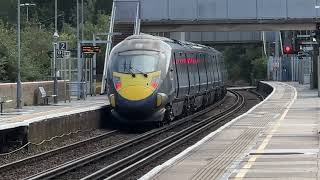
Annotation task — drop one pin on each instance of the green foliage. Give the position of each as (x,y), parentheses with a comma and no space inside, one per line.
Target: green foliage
(36,35)
(244,62)
(259,68)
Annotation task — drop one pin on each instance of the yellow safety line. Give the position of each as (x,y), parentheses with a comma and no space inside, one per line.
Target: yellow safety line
(244,170)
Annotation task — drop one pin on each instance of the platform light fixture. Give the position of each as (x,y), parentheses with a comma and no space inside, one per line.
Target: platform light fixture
(27,5)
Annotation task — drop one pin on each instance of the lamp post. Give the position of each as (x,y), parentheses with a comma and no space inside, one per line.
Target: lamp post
(27,5)
(318,64)
(19,91)
(55,40)
(55,80)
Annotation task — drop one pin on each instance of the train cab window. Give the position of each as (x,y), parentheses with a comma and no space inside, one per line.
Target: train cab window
(136,62)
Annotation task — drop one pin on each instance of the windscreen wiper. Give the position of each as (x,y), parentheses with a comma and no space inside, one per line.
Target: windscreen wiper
(144,74)
(131,72)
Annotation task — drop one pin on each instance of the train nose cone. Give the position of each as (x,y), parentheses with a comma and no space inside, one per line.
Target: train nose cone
(136,108)
(135,93)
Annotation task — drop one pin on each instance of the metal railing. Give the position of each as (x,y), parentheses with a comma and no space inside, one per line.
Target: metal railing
(72,90)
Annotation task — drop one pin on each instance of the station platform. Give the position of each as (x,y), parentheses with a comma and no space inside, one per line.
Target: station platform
(38,123)
(276,139)
(12,118)
(241,88)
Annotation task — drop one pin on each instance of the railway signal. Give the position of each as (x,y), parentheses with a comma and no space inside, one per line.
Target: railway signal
(287,49)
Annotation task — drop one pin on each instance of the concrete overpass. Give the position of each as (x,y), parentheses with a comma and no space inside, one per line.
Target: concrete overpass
(220,15)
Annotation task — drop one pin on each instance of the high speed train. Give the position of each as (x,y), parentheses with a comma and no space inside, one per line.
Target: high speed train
(156,79)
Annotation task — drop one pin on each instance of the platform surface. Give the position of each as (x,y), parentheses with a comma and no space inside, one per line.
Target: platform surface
(12,118)
(277,139)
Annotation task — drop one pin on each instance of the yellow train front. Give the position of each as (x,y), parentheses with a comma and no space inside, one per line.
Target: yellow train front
(136,70)
(155,79)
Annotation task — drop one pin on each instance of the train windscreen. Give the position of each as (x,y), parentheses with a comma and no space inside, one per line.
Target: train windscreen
(136,63)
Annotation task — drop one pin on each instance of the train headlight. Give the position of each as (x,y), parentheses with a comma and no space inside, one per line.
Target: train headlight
(112,100)
(161,99)
(117,82)
(155,82)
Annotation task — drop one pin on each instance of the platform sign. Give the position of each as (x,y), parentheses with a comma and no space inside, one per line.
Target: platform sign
(62,46)
(67,54)
(90,49)
(97,49)
(308,43)
(60,53)
(87,49)
(303,36)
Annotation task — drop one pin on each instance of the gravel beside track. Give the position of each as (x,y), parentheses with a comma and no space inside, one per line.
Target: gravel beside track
(60,158)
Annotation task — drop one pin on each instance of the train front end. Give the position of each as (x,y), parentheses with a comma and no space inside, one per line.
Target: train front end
(134,83)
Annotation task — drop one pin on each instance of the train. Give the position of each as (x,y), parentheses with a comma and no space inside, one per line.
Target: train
(157,79)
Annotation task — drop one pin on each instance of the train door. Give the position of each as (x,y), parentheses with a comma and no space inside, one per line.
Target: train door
(177,105)
(174,69)
(215,73)
(202,74)
(219,70)
(192,76)
(209,71)
(182,72)
(211,81)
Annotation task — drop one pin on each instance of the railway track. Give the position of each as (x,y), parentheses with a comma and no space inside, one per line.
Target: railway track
(128,164)
(51,154)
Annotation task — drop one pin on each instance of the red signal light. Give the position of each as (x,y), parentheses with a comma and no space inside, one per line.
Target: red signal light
(287,49)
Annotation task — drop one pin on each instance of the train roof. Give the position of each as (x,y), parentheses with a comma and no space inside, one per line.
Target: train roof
(175,44)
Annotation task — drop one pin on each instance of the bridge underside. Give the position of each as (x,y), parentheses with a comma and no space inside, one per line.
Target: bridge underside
(227,25)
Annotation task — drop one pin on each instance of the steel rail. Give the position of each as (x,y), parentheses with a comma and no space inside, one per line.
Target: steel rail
(43,155)
(71,165)
(131,163)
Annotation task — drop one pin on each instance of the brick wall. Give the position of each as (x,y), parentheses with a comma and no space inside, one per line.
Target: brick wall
(30,92)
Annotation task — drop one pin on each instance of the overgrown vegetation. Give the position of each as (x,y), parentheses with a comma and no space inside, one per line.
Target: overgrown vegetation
(245,62)
(36,34)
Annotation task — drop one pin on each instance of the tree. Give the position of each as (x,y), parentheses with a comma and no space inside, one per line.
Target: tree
(245,62)
(36,35)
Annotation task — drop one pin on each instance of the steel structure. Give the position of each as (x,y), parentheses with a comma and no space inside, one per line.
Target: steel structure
(220,15)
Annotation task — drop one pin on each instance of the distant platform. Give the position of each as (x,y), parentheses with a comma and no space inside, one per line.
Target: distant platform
(13,118)
(241,88)
(277,139)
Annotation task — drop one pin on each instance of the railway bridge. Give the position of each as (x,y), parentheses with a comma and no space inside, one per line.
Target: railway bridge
(217,21)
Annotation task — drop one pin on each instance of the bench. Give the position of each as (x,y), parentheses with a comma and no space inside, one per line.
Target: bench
(3,100)
(44,96)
